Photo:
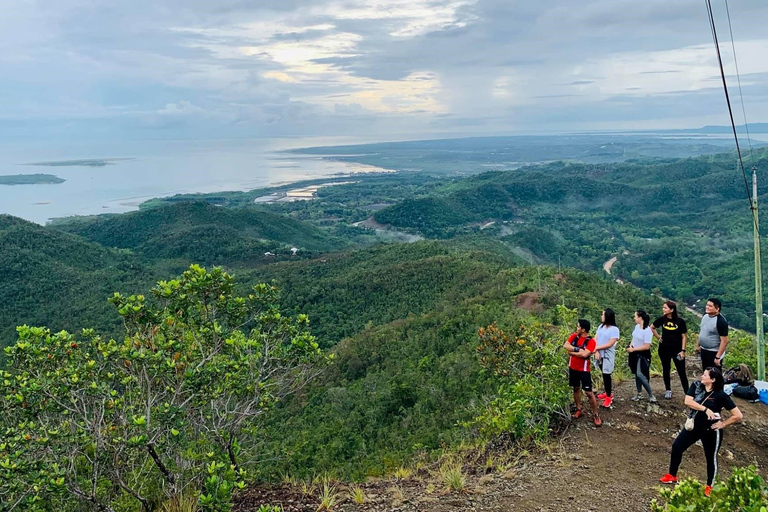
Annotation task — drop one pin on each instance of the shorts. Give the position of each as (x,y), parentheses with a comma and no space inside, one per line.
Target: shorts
(577,379)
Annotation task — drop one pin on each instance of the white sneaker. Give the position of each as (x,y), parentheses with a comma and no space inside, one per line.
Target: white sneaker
(652,399)
(668,395)
(636,398)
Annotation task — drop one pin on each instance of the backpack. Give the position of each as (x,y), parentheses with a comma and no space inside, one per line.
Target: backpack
(746,392)
(741,375)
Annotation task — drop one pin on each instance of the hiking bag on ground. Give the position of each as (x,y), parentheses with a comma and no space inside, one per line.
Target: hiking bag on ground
(746,392)
(741,375)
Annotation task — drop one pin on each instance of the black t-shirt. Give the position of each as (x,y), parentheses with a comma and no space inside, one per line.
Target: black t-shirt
(671,333)
(714,401)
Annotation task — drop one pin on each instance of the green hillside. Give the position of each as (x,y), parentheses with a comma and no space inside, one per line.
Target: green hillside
(203,233)
(405,387)
(60,280)
(681,226)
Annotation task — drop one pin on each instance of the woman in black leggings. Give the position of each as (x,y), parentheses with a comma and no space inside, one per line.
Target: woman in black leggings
(673,337)
(705,399)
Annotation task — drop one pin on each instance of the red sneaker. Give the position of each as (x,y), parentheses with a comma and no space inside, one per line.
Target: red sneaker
(598,421)
(602,396)
(707,490)
(668,479)
(578,414)
(608,401)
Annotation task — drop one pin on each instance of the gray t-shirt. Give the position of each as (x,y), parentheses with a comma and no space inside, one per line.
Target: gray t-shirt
(712,327)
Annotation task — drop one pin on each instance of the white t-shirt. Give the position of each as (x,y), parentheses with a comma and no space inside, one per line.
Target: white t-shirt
(605,334)
(641,336)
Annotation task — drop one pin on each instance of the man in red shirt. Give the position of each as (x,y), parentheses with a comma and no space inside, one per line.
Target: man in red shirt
(580,346)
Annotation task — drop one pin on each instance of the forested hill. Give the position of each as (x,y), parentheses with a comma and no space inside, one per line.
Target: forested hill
(202,232)
(61,276)
(682,227)
(61,280)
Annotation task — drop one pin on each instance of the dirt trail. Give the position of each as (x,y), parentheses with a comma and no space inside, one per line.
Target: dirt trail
(614,467)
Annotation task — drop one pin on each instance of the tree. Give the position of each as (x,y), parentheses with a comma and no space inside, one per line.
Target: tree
(156,415)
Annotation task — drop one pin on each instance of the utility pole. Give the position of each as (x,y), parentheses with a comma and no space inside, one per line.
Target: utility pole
(758,284)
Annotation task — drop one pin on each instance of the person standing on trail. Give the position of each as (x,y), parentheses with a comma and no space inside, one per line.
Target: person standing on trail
(705,399)
(672,341)
(713,335)
(581,346)
(639,352)
(607,335)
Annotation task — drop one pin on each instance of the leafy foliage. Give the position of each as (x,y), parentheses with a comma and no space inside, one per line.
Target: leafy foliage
(104,422)
(529,367)
(744,491)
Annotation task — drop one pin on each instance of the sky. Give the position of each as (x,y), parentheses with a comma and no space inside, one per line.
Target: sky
(402,68)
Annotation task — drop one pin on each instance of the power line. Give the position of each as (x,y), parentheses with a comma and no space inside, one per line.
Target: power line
(730,109)
(738,80)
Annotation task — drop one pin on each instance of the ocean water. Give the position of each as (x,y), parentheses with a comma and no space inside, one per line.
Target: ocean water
(153,169)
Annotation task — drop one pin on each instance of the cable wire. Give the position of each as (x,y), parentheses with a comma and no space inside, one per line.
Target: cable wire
(738,79)
(730,109)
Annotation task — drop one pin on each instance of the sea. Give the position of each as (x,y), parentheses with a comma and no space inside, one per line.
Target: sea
(140,170)
(136,171)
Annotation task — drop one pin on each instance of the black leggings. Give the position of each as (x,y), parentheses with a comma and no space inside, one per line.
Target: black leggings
(608,384)
(710,440)
(666,357)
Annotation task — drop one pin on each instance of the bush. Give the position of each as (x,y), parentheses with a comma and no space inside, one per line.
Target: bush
(533,389)
(92,423)
(744,491)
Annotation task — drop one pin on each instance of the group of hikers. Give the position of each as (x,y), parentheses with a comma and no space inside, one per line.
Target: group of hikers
(705,398)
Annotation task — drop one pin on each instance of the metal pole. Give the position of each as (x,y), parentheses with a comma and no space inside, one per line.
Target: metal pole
(758,285)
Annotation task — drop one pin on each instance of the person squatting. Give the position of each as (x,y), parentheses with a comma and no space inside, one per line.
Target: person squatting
(705,398)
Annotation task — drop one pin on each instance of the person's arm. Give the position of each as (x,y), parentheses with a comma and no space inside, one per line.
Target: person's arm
(735,417)
(582,353)
(611,342)
(656,325)
(722,330)
(692,404)
(685,342)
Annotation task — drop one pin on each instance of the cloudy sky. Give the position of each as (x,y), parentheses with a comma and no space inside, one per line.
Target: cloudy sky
(405,68)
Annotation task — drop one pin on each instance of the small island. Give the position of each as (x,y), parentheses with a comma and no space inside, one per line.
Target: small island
(97,162)
(30,179)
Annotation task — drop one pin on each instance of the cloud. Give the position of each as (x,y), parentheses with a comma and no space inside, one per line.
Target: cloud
(345,66)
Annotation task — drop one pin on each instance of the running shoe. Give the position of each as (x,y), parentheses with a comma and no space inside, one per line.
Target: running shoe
(668,395)
(636,398)
(602,396)
(578,414)
(598,422)
(652,399)
(608,401)
(668,479)
(707,490)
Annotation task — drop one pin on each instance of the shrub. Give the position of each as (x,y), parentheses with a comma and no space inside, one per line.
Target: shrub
(532,386)
(744,491)
(97,422)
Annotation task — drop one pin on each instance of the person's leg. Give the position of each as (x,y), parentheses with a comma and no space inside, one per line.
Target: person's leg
(577,398)
(666,368)
(708,359)
(681,372)
(608,384)
(592,402)
(641,378)
(685,440)
(711,442)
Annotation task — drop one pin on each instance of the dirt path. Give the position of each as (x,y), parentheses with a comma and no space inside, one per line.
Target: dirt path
(608,265)
(615,467)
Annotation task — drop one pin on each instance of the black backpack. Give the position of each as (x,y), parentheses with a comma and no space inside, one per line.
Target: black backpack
(746,392)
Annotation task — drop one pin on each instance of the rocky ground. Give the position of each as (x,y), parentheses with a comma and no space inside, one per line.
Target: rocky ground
(614,467)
